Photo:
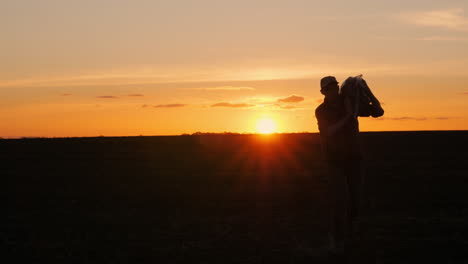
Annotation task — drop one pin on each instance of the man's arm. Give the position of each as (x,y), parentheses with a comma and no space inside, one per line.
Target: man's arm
(322,124)
(322,121)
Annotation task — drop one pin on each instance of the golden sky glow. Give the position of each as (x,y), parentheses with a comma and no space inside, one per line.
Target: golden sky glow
(122,68)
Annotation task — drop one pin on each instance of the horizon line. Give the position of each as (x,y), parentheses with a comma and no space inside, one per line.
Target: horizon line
(198,133)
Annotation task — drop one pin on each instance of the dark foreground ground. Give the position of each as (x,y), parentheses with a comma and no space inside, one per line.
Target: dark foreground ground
(227,199)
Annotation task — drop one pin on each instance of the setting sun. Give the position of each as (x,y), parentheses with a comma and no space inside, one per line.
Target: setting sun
(266,126)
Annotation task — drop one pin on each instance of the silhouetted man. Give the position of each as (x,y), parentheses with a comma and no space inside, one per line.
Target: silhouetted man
(339,132)
(338,126)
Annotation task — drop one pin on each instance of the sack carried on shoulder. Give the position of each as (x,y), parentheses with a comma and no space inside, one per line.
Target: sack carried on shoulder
(366,110)
(354,88)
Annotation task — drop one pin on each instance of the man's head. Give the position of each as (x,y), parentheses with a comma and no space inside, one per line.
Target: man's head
(329,86)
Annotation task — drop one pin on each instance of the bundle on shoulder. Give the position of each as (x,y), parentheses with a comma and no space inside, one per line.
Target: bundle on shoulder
(356,89)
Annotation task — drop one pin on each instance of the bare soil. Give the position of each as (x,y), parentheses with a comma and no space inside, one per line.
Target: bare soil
(228,199)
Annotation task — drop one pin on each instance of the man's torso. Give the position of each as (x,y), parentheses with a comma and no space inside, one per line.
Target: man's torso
(344,144)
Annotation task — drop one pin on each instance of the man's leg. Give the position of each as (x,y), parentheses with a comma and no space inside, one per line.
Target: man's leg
(356,188)
(338,202)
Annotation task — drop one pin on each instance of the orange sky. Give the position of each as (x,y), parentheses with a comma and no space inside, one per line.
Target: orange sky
(122,68)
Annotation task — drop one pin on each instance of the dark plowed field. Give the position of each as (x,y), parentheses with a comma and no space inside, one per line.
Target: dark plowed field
(227,199)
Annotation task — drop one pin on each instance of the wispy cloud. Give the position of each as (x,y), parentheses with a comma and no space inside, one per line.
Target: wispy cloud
(443,39)
(107,97)
(226,88)
(224,104)
(453,18)
(412,118)
(291,99)
(404,118)
(280,106)
(163,105)
(276,69)
(465,93)
(116,97)
(284,70)
(169,105)
(66,94)
(289,107)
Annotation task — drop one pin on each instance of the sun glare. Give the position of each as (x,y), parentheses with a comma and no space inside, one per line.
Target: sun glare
(266,126)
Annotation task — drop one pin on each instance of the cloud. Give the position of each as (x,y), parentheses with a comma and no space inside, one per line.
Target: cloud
(465,93)
(169,105)
(405,118)
(284,107)
(115,97)
(452,18)
(411,118)
(107,97)
(226,88)
(224,104)
(144,106)
(289,107)
(66,94)
(291,99)
(443,39)
(285,69)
